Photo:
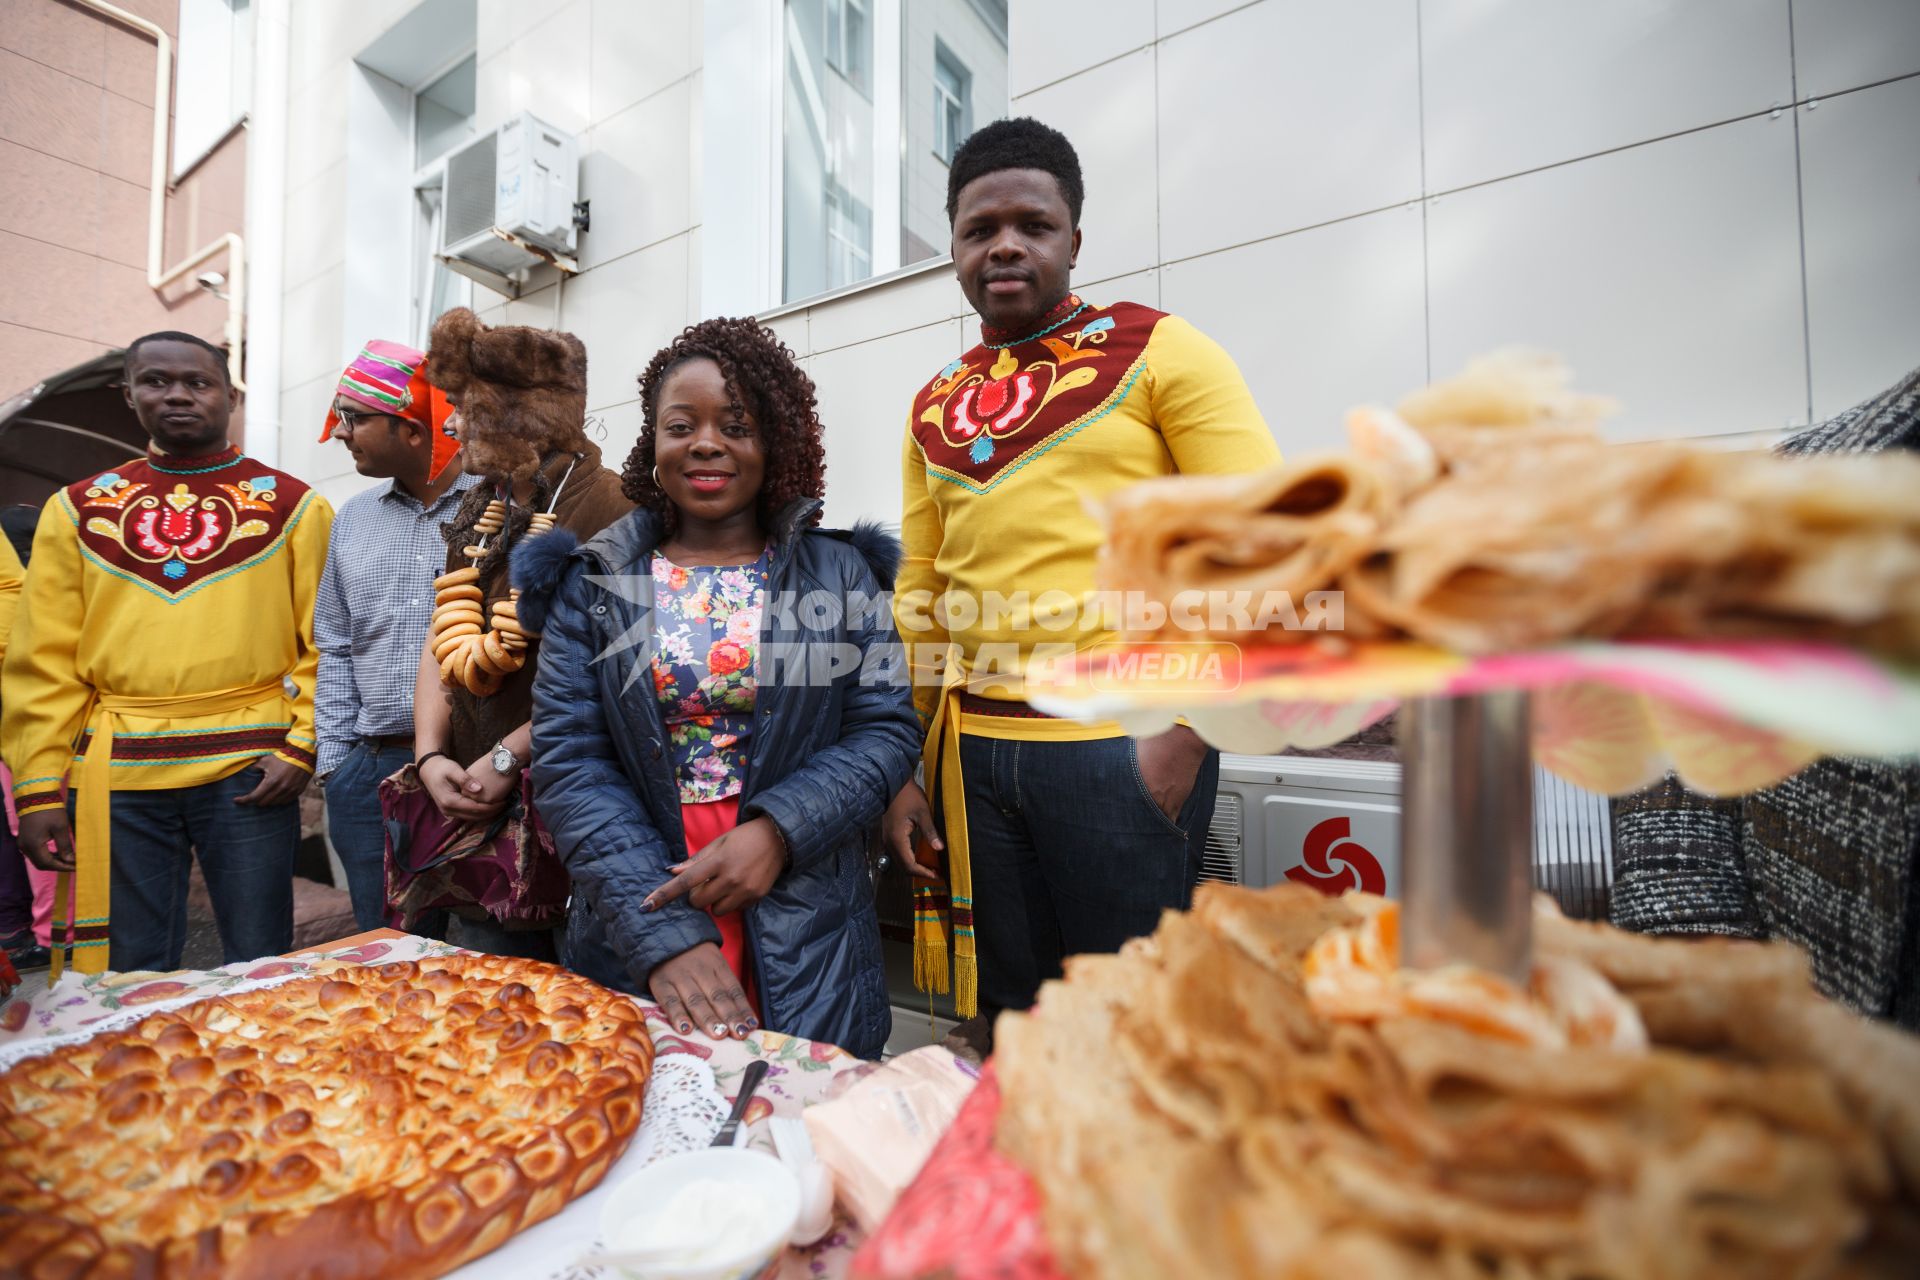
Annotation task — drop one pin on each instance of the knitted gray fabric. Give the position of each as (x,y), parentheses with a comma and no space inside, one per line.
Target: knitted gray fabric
(1826,858)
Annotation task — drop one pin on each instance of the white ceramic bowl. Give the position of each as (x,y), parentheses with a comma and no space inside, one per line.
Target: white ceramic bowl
(751,1255)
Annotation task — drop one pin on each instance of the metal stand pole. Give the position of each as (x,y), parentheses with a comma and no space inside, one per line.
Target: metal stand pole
(1467,832)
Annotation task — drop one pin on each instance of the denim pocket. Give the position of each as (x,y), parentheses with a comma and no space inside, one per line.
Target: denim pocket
(1146,794)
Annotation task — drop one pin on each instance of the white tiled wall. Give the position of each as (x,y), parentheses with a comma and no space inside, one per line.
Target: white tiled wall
(1668,275)
(1337,319)
(1510,87)
(1351,198)
(623,75)
(1252,146)
(1860,181)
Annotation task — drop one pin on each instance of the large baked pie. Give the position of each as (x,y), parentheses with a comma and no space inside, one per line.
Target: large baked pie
(390,1121)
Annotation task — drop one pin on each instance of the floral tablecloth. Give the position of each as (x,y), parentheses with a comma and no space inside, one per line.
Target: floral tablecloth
(800,1073)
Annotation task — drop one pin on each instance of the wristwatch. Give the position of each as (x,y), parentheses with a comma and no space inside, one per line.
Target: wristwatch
(505,763)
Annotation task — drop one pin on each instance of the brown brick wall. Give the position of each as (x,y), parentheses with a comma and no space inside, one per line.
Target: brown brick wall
(76,127)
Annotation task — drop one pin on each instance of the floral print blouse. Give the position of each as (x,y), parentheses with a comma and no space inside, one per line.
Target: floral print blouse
(706,636)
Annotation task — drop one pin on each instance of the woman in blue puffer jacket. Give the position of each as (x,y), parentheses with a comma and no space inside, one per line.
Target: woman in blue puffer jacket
(722,711)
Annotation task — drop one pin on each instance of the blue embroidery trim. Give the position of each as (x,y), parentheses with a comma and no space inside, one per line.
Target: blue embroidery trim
(1034,337)
(195,471)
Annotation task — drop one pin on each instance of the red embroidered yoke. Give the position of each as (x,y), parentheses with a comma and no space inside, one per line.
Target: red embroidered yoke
(167,578)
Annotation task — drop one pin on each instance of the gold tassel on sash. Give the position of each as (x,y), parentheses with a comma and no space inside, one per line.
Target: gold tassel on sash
(944,914)
(82,897)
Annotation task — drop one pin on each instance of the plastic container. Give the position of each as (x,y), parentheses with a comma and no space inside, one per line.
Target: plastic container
(739,1253)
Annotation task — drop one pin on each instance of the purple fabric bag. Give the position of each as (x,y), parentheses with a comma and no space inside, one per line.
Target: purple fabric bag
(506,868)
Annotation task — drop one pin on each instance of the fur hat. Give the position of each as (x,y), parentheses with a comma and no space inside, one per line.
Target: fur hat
(521,392)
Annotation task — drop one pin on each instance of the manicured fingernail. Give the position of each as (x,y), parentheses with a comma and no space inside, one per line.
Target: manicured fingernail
(648,905)
(719,1030)
(743,1029)
(686,1028)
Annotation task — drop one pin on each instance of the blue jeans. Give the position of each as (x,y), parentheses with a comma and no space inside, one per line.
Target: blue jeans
(353,824)
(1070,854)
(246,853)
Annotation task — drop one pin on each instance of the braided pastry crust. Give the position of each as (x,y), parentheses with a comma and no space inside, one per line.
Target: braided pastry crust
(391,1121)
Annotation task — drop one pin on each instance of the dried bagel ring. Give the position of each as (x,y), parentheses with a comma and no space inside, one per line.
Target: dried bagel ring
(450,664)
(484,659)
(498,656)
(473,675)
(485,684)
(446,644)
(447,595)
(457,578)
(457,609)
(473,552)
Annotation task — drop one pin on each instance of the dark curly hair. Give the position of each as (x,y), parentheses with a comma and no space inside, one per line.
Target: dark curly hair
(763,379)
(1021,143)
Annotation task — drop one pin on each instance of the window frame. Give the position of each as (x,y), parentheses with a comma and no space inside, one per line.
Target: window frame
(426,269)
(192,80)
(947,104)
(833,25)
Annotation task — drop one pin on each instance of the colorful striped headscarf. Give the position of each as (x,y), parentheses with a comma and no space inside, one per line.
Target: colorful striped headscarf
(390,378)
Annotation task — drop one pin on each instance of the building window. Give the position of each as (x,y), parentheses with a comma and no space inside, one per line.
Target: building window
(950,86)
(442,119)
(863,172)
(849,42)
(213,79)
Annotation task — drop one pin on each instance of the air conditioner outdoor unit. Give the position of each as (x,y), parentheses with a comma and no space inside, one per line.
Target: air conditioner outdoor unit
(510,203)
(1335,825)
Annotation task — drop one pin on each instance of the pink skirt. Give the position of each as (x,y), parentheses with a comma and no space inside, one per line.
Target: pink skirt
(704,823)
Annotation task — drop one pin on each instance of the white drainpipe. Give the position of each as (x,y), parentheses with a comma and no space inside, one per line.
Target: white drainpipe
(267,226)
(229,244)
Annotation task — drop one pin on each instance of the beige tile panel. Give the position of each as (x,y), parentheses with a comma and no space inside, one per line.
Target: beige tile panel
(46,198)
(29,355)
(48,287)
(62,36)
(49,110)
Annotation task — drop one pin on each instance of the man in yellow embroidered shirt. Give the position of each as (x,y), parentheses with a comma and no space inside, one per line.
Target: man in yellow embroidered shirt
(163,664)
(1060,837)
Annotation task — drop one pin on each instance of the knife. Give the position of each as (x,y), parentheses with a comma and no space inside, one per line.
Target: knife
(755,1073)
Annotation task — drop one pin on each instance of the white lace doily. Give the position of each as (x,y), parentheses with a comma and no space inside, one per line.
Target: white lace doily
(684,1110)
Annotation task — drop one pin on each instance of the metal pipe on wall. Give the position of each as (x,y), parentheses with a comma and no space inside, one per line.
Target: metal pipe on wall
(231,244)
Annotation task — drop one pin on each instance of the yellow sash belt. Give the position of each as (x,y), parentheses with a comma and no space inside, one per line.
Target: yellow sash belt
(942,912)
(82,900)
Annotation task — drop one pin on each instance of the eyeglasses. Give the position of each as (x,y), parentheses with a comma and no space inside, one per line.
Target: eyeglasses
(350,419)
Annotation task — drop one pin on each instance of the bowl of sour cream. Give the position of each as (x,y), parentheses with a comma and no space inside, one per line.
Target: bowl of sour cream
(718,1213)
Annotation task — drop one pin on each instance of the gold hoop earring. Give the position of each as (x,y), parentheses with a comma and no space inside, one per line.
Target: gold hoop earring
(656,476)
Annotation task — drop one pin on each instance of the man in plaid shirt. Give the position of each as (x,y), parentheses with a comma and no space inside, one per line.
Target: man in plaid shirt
(376,597)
